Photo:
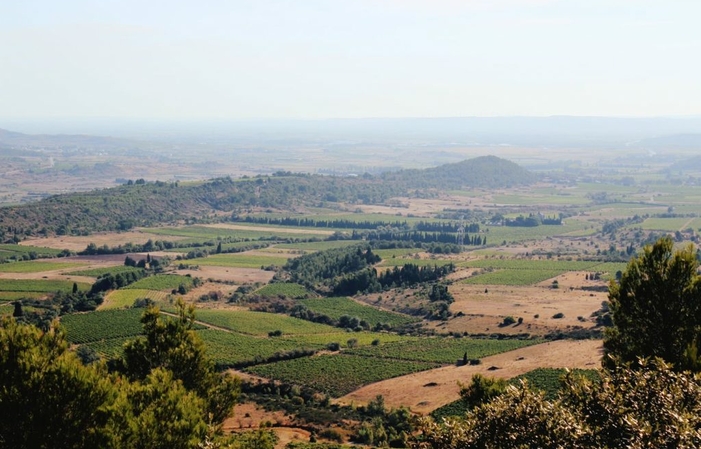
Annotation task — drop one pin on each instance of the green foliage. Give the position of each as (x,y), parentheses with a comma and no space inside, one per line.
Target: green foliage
(172,344)
(158,412)
(49,398)
(337,307)
(481,390)
(325,266)
(656,307)
(337,375)
(647,405)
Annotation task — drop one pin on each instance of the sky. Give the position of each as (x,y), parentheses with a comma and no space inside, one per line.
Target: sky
(317,59)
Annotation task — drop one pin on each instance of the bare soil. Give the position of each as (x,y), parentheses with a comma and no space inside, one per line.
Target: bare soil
(79,243)
(485,306)
(230,274)
(413,390)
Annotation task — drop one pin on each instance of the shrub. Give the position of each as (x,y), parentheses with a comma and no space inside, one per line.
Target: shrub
(508,320)
(559,315)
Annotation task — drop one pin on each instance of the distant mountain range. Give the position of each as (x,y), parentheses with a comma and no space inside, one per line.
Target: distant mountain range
(527,131)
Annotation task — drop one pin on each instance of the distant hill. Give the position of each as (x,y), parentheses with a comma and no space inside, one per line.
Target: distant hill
(150,204)
(484,172)
(11,139)
(675,141)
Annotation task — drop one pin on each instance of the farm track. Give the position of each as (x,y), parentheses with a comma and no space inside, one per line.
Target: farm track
(413,391)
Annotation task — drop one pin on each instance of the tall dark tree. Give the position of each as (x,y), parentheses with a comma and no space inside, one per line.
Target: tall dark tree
(656,307)
(171,343)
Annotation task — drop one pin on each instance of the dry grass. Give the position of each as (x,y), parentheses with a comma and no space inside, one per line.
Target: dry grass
(79,243)
(230,274)
(412,390)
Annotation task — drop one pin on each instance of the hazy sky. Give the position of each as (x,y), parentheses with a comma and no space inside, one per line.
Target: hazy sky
(340,58)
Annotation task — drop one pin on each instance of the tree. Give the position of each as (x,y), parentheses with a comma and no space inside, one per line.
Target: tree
(642,405)
(656,307)
(171,343)
(48,397)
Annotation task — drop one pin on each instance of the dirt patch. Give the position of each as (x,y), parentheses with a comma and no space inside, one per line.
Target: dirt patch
(79,243)
(485,306)
(230,274)
(412,390)
(222,290)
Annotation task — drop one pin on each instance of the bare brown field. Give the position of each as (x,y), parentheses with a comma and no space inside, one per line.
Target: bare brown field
(230,274)
(413,390)
(79,243)
(223,289)
(51,275)
(484,312)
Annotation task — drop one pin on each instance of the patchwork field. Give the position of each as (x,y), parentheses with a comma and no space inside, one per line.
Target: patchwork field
(428,390)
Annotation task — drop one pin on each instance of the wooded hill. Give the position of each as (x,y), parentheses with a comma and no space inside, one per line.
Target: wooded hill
(149,204)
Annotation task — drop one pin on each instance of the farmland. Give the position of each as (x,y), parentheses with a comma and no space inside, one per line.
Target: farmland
(97,272)
(162,282)
(35,266)
(239,260)
(337,307)
(260,323)
(102,325)
(442,350)
(285,289)
(38,285)
(337,375)
(123,298)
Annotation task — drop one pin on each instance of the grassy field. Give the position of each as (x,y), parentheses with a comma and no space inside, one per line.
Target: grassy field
(667,224)
(337,375)
(197,234)
(337,307)
(260,323)
(13,296)
(399,262)
(286,289)
(239,260)
(441,350)
(38,285)
(317,246)
(161,282)
(513,277)
(102,325)
(35,266)
(342,338)
(231,349)
(396,252)
(120,299)
(7,249)
(97,272)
